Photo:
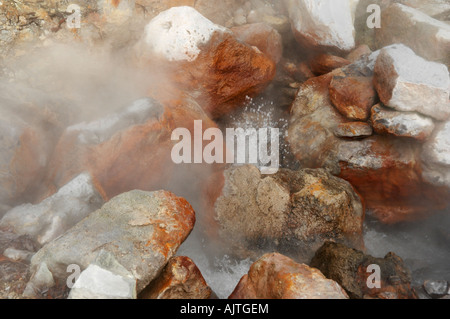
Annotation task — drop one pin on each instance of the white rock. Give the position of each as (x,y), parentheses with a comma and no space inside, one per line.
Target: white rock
(407,82)
(105,278)
(437,150)
(101,130)
(436,156)
(407,124)
(57,213)
(98,283)
(327,23)
(428,37)
(177,33)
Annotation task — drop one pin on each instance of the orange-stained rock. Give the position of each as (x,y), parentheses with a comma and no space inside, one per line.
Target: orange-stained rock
(180,279)
(28,133)
(300,72)
(401,124)
(358,53)
(325,63)
(262,36)
(132,150)
(351,269)
(354,129)
(141,230)
(385,171)
(353,96)
(292,211)
(275,276)
(203,59)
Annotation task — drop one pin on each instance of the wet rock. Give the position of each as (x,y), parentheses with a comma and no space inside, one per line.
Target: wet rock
(378,167)
(322,25)
(142,230)
(53,216)
(353,129)
(353,96)
(313,121)
(406,82)
(289,209)
(436,288)
(180,279)
(387,174)
(435,156)
(325,63)
(105,278)
(401,124)
(262,36)
(428,37)
(202,57)
(350,268)
(275,276)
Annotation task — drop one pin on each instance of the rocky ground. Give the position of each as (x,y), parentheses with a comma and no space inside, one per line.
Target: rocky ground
(92,204)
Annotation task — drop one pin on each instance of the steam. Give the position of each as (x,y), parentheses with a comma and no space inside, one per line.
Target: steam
(91,82)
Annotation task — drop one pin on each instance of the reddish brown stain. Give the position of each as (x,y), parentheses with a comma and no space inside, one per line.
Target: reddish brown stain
(115,3)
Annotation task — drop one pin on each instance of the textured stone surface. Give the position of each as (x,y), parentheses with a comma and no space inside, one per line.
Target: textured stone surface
(324,25)
(436,156)
(407,82)
(354,129)
(325,63)
(301,209)
(180,279)
(262,36)
(359,52)
(353,96)
(105,278)
(349,268)
(402,124)
(123,151)
(428,37)
(142,230)
(275,276)
(386,172)
(56,214)
(221,74)
(436,288)
(24,148)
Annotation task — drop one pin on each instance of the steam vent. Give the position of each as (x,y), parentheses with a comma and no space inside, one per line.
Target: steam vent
(224,149)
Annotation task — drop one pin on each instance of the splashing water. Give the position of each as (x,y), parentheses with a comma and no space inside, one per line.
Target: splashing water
(221,272)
